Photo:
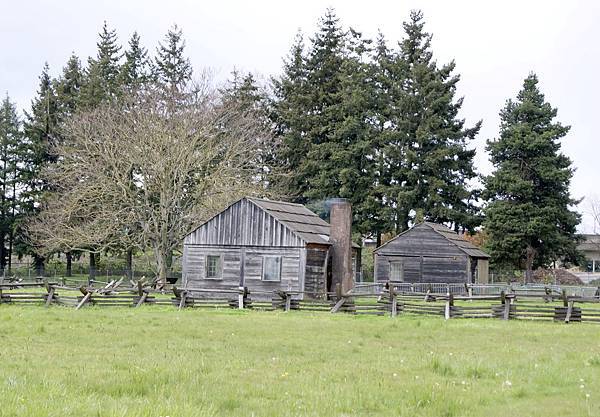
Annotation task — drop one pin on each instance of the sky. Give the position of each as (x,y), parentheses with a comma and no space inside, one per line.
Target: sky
(494,44)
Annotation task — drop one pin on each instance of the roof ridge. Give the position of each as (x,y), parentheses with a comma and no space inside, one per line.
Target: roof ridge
(276,201)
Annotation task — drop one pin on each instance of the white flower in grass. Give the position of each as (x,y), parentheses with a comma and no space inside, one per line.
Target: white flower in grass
(581,380)
(394,375)
(582,386)
(587,395)
(507,384)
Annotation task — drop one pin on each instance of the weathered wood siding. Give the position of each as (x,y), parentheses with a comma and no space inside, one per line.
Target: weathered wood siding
(244,224)
(242,266)
(425,256)
(315,279)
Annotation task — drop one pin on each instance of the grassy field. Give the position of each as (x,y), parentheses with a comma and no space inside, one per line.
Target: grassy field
(163,362)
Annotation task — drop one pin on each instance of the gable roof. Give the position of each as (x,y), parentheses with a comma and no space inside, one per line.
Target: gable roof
(451,236)
(296,217)
(299,219)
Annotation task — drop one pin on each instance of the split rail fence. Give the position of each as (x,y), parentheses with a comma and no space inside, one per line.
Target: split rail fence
(391,299)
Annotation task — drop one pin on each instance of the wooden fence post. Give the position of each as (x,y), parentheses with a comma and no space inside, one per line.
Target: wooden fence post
(143,294)
(449,304)
(86,297)
(394,300)
(241,293)
(50,295)
(506,305)
(340,298)
(569,311)
(288,301)
(182,300)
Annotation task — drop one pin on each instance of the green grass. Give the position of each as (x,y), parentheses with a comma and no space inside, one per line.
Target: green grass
(162,362)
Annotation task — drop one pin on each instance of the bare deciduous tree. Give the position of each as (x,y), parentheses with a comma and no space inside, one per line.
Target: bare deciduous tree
(145,171)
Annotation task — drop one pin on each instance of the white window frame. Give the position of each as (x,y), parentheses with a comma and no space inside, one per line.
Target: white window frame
(264,263)
(219,275)
(401,265)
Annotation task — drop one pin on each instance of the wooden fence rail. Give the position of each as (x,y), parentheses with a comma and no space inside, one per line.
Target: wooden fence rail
(388,301)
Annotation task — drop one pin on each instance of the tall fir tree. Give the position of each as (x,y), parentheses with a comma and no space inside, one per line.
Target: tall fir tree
(429,159)
(289,115)
(247,96)
(41,133)
(10,177)
(528,218)
(136,70)
(389,72)
(101,81)
(321,113)
(171,67)
(68,87)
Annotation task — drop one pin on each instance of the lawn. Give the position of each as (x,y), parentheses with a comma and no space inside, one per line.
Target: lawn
(156,361)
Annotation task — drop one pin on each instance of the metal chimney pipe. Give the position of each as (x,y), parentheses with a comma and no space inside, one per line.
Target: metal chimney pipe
(340,236)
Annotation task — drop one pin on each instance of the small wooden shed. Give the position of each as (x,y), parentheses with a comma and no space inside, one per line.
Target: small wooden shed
(431,253)
(264,245)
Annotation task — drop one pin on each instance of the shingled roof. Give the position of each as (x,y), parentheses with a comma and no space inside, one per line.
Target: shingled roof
(452,237)
(464,245)
(300,220)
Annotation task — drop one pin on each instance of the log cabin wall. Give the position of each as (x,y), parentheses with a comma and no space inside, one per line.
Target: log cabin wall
(316,265)
(243,266)
(243,236)
(421,254)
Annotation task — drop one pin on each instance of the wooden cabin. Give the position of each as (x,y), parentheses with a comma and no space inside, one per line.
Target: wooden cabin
(263,245)
(431,253)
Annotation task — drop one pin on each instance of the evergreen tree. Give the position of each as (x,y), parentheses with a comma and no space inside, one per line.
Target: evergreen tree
(244,93)
(135,72)
(41,133)
(322,115)
(528,218)
(68,87)
(389,73)
(10,150)
(102,75)
(426,149)
(289,115)
(171,67)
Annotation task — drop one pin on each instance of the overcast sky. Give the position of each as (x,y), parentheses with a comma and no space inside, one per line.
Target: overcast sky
(495,46)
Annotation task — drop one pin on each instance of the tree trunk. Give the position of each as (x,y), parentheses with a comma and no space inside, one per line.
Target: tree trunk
(69,269)
(530,256)
(162,258)
(39,265)
(2,252)
(11,237)
(378,241)
(92,272)
(129,262)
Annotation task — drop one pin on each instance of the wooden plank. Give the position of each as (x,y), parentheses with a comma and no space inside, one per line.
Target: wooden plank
(84,300)
(50,297)
(142,299)
(569,311)
(338,305)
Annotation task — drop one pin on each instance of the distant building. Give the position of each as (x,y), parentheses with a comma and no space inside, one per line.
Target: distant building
(430,252)
(590,247)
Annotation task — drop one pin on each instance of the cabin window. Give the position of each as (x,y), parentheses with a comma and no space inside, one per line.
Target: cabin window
(213,267)
(271,268)
(396,271)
